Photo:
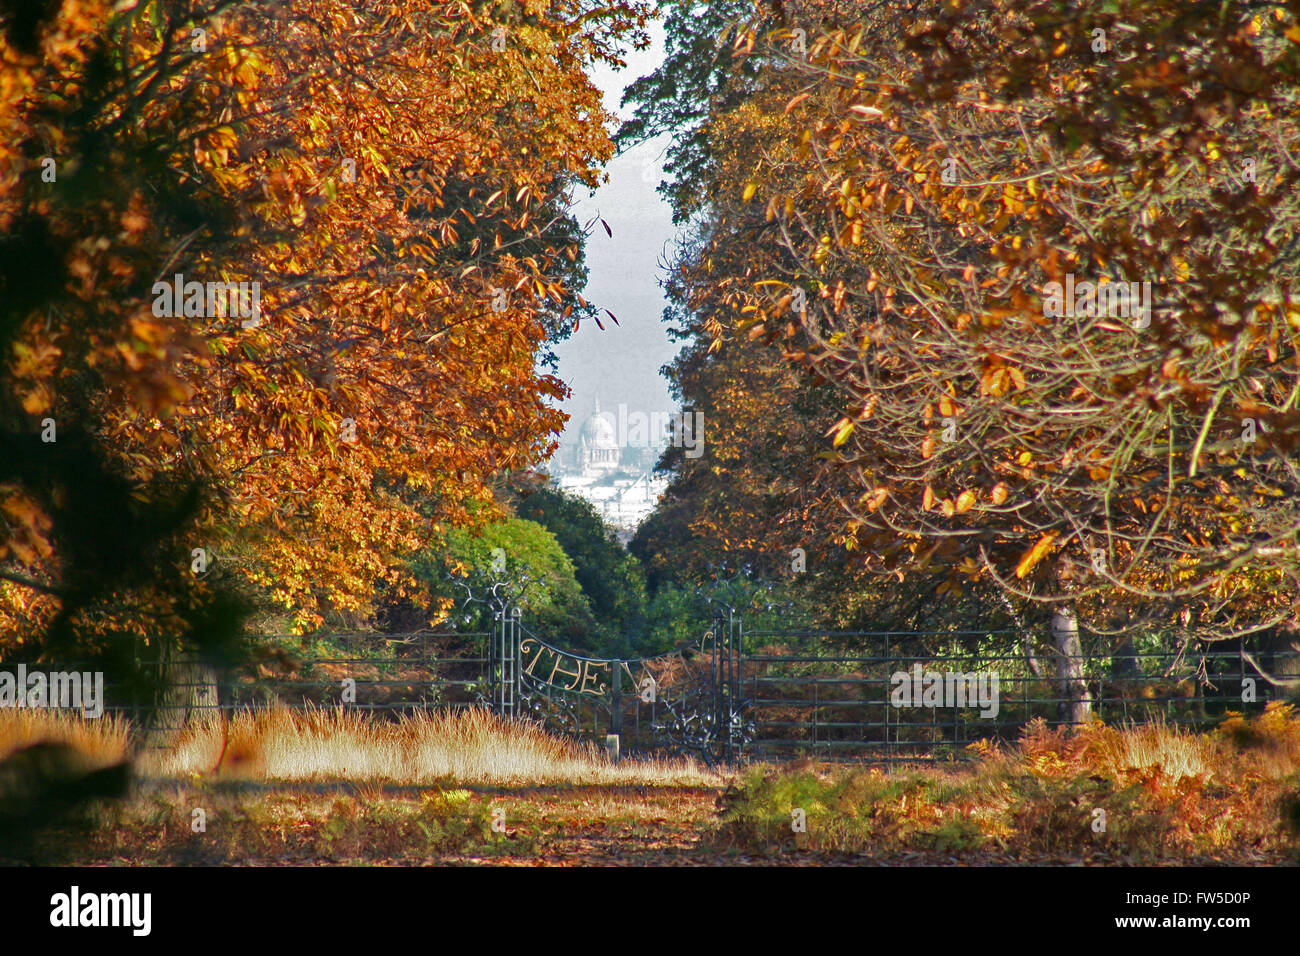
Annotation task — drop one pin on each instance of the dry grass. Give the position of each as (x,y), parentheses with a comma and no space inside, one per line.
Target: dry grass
(1178,752)
(427,817)
(1232,795)
(1120,754)
(103,741)
(469,747)
(155,827)
(1161,793)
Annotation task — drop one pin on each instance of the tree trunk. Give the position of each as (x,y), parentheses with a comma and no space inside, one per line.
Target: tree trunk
(1076,703)
(187,696)
(1026,637)
(1124,664)
(1125,671)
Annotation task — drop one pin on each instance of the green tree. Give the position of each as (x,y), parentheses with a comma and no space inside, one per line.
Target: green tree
(611,579)
(530,562)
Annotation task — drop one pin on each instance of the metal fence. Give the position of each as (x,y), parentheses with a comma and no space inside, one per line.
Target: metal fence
(900,706)
(379,673)
(734,693)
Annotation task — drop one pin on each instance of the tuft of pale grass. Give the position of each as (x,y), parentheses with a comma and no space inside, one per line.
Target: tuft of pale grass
(1137,750)
(471,746)
(103,741)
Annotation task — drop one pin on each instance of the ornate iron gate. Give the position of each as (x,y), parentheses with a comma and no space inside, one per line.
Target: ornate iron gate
(686,701)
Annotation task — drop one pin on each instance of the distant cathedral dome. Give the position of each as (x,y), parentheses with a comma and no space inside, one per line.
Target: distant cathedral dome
(598,449)
(597,432)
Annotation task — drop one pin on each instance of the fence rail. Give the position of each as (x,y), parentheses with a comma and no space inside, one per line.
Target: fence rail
(387,674)
(865,703)
(736,691)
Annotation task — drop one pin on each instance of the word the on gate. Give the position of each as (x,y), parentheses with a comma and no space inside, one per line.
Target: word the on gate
(578,675)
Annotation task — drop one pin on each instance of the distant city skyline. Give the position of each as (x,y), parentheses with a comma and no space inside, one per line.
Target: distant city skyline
(639,437)
(611,466)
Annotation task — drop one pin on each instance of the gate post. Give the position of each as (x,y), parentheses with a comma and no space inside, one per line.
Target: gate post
(719,643)
(732,686)
(503,664)
(616,699)
(494,662)
(510,662)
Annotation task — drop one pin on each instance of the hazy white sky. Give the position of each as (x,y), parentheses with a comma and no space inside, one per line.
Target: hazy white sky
(621,364)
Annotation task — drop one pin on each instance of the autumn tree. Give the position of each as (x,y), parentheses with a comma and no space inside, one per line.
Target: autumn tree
(900,214)
(395,182)
(1120,451)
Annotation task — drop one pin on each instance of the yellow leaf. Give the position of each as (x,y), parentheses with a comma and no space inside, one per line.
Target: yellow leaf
(36,401)
(965,502)
(1036,553)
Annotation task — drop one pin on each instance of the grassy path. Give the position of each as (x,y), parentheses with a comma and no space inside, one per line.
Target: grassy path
(595,826)
(341,824)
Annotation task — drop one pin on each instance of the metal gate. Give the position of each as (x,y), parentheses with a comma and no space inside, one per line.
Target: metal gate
(686,701)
